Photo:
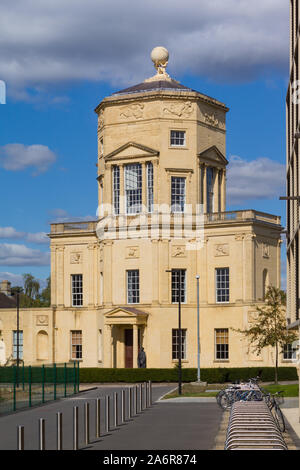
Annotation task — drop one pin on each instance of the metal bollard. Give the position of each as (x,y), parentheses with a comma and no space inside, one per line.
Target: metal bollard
(141,397)
(107,412)
(42,445)
(87,423)
(136,400)
(116,409)
(146,395)
(75,427)
(150,393)
(129,402)
(59,431)
(98,416)
(20,438)
(123,397)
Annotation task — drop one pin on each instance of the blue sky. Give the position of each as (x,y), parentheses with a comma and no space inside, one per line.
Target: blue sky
(48,128)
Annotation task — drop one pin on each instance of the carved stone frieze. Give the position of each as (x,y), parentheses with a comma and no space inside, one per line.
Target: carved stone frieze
(133,111)
(179,109)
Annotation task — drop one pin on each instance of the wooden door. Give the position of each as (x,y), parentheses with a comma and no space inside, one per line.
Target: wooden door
(129,349)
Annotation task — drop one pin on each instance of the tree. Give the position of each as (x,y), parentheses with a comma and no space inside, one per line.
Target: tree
(31,286)
(45,297)
(269,327)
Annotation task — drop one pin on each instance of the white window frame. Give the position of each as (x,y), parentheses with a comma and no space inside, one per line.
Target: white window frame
(175,289)
(137,207)
(79,352)
(77,304)
(219,288)
(288,350)
(175,206)
(175,344)
(14,344)
(177,135)
(224,344)
(116,176)
(150,187)
(137,295)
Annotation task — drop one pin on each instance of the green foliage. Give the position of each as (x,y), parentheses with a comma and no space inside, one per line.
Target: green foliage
(217,375)
(269,328)
(31,296)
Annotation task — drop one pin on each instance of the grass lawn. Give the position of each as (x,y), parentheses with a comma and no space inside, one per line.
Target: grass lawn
(291,390)
(189,390)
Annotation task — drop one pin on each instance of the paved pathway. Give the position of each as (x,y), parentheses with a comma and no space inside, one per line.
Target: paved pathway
(171,426)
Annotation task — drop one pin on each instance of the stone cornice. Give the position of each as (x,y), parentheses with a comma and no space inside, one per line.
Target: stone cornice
(159,95)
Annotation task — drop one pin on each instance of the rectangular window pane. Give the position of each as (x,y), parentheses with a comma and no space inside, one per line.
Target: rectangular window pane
(15,340)
(77,292)
(178,138)
(177,194)
(150,186)
(76,345)
(133,188)
(222,285)
(133,287)
(289,352)
(116,189)
(210,189)
(175,344)
(178,280)
(221,344)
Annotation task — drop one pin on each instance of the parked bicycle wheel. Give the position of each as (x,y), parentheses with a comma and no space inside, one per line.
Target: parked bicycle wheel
(277,413)
(224,401)
(219,396)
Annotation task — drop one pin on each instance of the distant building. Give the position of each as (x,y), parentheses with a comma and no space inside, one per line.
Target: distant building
(114,283)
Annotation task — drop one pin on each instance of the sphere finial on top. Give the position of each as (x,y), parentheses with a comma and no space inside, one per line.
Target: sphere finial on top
(160,57)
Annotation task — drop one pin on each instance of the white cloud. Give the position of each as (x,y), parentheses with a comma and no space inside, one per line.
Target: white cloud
(60,215)
(21,255)
(39,238)
(12,234)
(16,157)
(60,41)
(15,279)
(262,178)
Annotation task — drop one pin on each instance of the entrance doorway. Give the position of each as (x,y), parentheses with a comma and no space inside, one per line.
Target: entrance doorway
(129,349)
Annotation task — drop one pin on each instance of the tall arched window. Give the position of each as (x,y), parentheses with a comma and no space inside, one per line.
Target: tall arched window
(210,190)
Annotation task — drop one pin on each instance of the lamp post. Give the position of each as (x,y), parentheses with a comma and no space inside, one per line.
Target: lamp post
(179,329)
(198,329)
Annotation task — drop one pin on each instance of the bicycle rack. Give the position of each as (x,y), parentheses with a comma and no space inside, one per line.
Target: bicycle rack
(252,427)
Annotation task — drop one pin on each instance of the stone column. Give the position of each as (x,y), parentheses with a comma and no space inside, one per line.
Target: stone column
(205,188)
(90,288)
(135,345)
(155,272)
(216,190)
(53,276)
(60,277)
(165,279)
(107,270)
(155,182)
(223,189)
(108,343)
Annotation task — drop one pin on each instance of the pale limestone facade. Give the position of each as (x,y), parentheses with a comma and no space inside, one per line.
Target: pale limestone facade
(134,127)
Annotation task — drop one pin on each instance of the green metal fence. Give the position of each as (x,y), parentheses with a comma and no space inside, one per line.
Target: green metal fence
(28,386)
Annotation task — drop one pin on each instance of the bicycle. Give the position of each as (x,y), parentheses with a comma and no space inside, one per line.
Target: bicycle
(272,401)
